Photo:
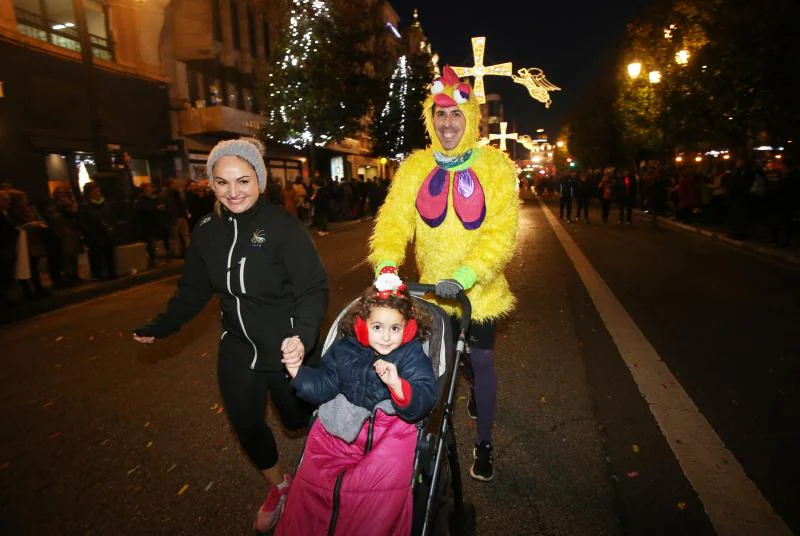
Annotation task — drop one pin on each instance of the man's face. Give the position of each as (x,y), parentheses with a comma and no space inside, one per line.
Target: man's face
(450,124)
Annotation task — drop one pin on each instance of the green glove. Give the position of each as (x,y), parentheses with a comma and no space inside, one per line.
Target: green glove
(465,276)
(382,265)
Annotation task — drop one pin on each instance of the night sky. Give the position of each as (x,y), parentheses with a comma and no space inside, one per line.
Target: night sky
(568,39)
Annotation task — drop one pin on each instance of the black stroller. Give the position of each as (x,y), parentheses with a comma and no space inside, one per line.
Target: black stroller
(439,507)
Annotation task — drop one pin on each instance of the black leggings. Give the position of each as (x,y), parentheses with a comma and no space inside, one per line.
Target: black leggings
(244,395)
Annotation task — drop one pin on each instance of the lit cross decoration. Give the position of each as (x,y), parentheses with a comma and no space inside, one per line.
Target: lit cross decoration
(537,85)
(503,136)
(479,70)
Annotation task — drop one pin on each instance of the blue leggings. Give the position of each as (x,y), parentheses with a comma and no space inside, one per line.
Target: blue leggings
(480,373)
(484,383)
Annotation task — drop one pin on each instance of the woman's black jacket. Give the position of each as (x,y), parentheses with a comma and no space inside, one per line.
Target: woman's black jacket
(268,274)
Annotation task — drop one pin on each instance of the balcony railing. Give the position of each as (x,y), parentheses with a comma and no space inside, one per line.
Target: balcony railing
(35,26)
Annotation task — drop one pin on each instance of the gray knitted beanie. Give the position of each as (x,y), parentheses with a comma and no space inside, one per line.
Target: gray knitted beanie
(250,149)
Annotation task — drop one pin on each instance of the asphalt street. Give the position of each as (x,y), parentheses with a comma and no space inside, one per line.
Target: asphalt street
(101,435)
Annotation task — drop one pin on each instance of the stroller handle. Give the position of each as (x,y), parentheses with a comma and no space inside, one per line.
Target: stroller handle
(448,289)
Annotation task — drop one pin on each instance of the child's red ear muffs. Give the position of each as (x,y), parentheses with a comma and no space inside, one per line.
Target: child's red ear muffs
(410,331)
(362,331)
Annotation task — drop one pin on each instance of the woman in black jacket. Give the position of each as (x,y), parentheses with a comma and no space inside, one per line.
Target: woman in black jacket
(273,294)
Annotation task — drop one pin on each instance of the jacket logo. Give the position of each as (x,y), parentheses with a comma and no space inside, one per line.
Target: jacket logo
(258,237)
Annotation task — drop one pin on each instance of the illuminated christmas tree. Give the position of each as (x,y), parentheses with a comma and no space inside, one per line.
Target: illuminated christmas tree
(398,129)
(315,90)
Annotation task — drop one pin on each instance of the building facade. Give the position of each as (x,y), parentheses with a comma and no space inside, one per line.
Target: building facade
(82,85)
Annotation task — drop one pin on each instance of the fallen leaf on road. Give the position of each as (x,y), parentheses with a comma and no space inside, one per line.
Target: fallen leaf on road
(204,354)
(183,488)
(59,338)
(632,474)
(215,406)
(208,486)
(635,447)
(54,435)
(147,424)
(543,399)
(49,403)
(173,466)
(681,505)
(133,470)
(149,444)
(220,410)
(105,442)
(91,338)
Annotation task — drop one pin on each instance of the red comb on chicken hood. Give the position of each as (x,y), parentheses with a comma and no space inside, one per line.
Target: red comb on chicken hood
(450,82)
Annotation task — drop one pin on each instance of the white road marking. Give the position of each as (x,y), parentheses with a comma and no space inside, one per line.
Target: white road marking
(733,502)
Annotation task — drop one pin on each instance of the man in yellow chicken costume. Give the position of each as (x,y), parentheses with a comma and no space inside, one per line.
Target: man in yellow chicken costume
(459,203)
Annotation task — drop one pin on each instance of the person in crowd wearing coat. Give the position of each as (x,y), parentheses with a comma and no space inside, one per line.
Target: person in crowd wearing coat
(566,190)
(8,249)
(178,217)
(380,371)
(33,246)
(273,294)
(99,232)
(68,232)
(584,188)
(151,213)
(606,193)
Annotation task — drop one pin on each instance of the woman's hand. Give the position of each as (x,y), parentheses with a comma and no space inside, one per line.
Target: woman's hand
(144,340)
(293,351)
(387,372)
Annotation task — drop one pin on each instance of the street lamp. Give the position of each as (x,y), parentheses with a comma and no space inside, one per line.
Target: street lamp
(682,57)
(654,76)
(634,69)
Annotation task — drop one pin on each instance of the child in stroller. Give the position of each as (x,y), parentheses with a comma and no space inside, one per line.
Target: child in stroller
(374,383)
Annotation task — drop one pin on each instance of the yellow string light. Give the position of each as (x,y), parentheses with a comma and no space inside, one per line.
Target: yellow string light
(479,70)
(537,85)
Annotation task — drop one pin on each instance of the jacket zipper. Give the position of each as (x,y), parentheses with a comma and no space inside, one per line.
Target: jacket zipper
(370,429)
(335,514)
(238,302)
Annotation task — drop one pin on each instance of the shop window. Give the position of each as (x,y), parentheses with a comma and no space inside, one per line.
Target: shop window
(337,168)
(85,168)
(97,23)
(54,21)
(58,172)
(140,170)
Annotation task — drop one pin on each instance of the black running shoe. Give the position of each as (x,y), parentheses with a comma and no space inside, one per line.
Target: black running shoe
(482,468)
(472,408)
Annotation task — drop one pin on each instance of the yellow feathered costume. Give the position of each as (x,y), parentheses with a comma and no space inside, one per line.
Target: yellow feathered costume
(443,249)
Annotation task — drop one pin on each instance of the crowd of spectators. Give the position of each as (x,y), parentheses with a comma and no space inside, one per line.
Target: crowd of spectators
(325,200)
(748,201)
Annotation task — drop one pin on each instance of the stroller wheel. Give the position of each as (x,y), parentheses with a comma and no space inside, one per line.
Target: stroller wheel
(463,523)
